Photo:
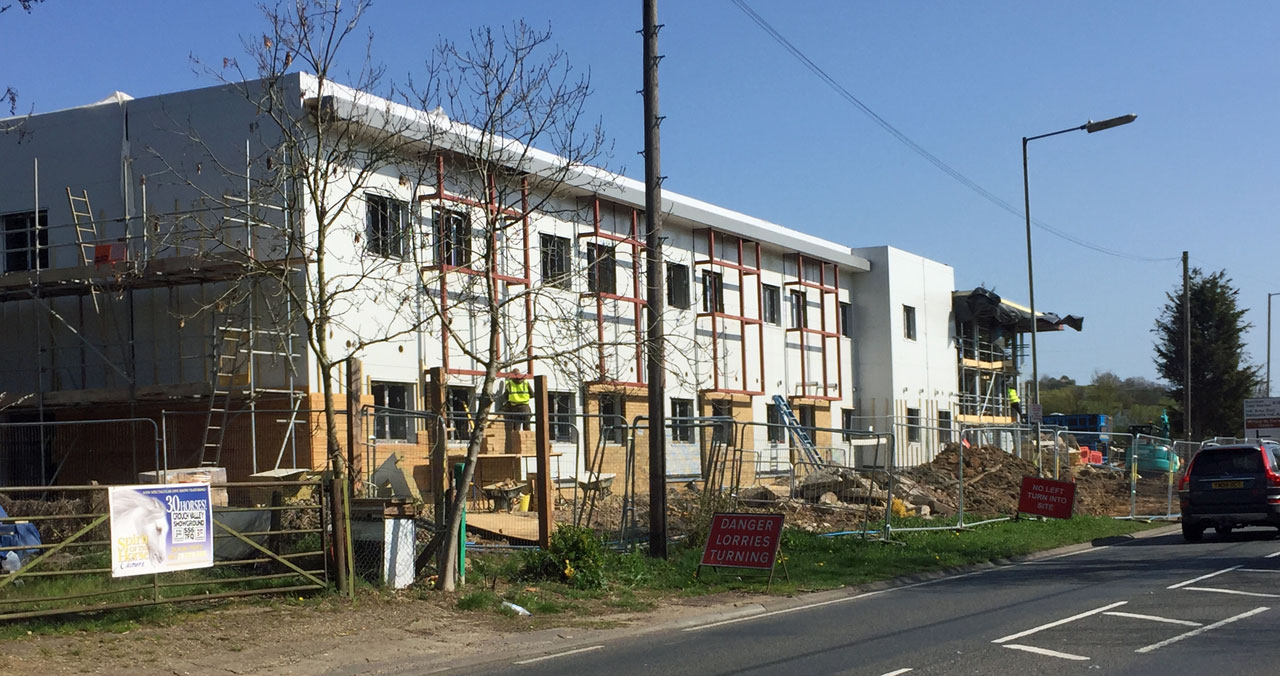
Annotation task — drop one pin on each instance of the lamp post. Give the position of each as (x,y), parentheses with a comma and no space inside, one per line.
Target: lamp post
(1090,127)
(1277,293)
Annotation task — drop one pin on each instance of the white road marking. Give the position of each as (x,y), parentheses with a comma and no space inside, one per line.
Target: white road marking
(896,673)
(1154,618)
(1201,630)
(1047,652)
(1064,620)
(1233,591)
(1259,570)
(563,654)
(845,599)
(1272,555)
(1202,577)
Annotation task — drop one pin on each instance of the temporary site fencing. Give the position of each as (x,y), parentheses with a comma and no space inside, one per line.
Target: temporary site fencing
(272,524)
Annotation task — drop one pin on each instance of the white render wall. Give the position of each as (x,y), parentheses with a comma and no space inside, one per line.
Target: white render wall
(917,374)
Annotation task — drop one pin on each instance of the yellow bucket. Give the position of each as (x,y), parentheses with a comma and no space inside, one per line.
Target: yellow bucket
(524,502)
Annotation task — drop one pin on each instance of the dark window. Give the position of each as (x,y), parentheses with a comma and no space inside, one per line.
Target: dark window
(1225,461)
(712,291)
(387,226)
(909,322)
(806,416)
(777,428)
(556,253)
(26,243)
(944,422)
(722,431)
(846,320)
(458,404)
(613,426)
(799,310)
(848,422)
(602,269)
(388,425)
(678,286)
(453,232)
(771,304)
(561,413)
(681,426)
(913,424)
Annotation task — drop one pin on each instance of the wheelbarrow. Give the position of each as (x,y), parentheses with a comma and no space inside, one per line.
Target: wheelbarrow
(597,483)
(505,495)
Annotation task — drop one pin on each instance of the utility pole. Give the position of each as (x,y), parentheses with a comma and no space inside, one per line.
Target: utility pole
(1186,323)
(653,288)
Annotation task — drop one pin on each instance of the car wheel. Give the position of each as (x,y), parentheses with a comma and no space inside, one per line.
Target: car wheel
(1191,533)
(1222,530)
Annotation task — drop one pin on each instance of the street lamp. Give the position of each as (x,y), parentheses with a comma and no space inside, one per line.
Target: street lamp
(1277,293)
(1090,127)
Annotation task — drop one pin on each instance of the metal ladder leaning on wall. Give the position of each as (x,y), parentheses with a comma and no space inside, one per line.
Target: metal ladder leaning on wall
(797,430)
(230,345)
(82,216)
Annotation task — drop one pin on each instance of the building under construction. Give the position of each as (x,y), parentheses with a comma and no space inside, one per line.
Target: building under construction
(164,261)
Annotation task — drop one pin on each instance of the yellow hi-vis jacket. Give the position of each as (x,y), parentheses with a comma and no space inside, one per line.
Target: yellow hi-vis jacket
(518,392)
(1013,396)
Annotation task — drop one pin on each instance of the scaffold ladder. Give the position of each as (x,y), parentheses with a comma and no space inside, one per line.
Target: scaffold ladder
(86,229)
(797,430)
(231,345)
(86,232)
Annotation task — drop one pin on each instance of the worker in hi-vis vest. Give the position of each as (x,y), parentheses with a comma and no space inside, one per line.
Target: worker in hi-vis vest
(515,405)
(1015,403)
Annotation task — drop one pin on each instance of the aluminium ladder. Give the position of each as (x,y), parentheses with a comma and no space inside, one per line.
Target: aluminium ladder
(86,233)
(233,343)
(797,430)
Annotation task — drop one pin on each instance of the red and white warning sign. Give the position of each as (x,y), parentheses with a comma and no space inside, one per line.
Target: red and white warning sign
(743,540)
(1047,497)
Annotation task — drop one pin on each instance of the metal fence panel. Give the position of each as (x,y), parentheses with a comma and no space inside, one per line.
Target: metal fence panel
(269,537)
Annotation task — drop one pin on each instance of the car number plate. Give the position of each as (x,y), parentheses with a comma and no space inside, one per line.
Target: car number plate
(1228,484)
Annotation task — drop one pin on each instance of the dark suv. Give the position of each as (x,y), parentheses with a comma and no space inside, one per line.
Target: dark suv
(1230,486)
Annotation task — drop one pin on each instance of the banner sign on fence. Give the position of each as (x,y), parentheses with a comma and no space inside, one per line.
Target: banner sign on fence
(157,529)
(1047,497)
(743,540)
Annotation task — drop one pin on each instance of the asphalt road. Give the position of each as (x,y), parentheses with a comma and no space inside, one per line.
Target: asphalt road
(1151,605)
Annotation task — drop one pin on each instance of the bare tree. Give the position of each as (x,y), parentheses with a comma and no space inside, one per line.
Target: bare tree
(519,152)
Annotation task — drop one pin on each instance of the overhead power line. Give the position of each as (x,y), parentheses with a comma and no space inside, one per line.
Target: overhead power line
(923,152)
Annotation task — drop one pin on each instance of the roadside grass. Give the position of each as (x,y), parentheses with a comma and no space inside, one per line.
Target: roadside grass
(635,582)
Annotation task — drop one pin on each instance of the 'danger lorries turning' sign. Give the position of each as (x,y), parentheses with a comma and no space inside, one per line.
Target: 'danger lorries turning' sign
(743,540)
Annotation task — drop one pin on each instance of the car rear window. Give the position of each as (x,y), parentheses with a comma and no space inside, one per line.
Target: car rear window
(1227,461)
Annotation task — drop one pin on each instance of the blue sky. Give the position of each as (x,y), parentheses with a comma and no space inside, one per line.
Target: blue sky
(750,128)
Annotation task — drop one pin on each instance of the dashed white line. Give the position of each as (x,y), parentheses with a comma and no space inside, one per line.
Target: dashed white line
(563,654)
(1047,652)
(1233,591)
(1154,618)
(1064,620)
(1201,630)
(1202,577)
(896,673)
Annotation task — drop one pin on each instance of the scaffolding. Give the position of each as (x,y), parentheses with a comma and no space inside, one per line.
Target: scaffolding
(987,369)
(77,364)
